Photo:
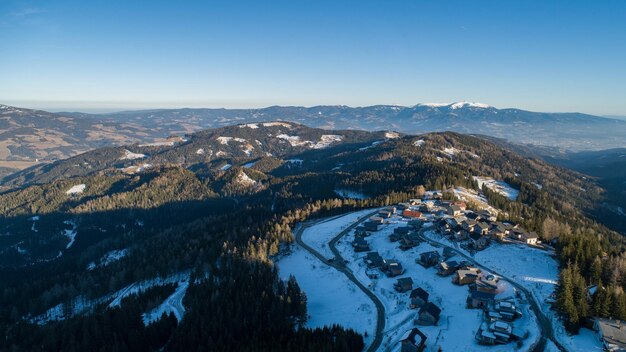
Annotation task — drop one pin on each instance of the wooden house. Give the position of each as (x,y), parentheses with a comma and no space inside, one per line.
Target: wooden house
(409,241)
(611,333)
(360,245)
(428,314)
(392,267)
(479,299)
(418,297)
(428,259)
(448,267)
(453,210)
(488,284)
(466,276)
(408,213)
(413,341)
(373,260)
(403,284)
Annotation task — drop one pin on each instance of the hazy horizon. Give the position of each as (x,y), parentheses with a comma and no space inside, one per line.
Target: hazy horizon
(119,55)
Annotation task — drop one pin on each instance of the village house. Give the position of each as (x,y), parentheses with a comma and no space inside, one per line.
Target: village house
(498,231)
(428,314)
(413,341)
(373,260)
(428,259)
(480,299)
(478,241)
(507,310)
(371,226)
(487,284)
(418,297)
(481,228)
(415,224)
(448,252)
(403,284)
(453,210)
(392,267)
(485,337)
(360,245)
(377,220)
(501,330)
(461,235)
(523,236)
(385,214)
(409,241)
(468,225)
(466,276)
(486,215)
(611,333)
(448,267)
(408,213)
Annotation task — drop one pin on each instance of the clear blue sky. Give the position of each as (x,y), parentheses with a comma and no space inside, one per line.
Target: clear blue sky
(90,55)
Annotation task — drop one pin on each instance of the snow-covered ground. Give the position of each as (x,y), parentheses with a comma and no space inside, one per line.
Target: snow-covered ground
(108,258)
(457,325)
(128,155)
(331,297)
(346,193)
(77,189)
(172,304)
(497,186)
(249,165)
(470,195)
(225,167)
(392,135)
(375,143)
(320,234)
(419,143)
(70,233)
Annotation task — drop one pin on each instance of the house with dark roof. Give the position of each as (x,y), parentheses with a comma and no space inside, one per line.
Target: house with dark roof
(479,299)
(428,259)
(448,267)
(403,284)
(428,314)
(360,245)
(487,283)
(418,297)
(392,267)
(454,210)
(611,333)
(413,341)
(373,260)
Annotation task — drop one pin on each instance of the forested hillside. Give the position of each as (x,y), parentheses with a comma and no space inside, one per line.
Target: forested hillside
(74,237)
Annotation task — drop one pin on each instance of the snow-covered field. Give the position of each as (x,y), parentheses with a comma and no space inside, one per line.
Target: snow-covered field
(320,234)
(77,189)
(172,304)
(331,297)
(457,325)
(497,186)
(128,155)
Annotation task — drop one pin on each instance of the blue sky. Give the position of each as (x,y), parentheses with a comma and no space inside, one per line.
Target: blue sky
(109,55)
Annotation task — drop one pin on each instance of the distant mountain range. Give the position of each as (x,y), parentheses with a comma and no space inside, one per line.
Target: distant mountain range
(31,136)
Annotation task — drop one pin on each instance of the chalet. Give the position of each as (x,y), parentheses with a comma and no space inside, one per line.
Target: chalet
(461,235)
(479,299)
(466,276)
(402,206)
(413,341)
(454,210)
(377,220)
(409,241)
(507,310)
(448,267)
(611,333)
(373,260)
(427,206)
(486,215)
(488,284)
(481,228)
(385,214)
(448,252)
(408,213)
(428,259)
(360,245)
(460,204)
(498,231)
(485,337)
(428,314)
(392,267)
(472,216)
(403,284)
(468,225)
(418,297)
(415,224)
(531,238)
(501,330)
(479,242)
(371,226)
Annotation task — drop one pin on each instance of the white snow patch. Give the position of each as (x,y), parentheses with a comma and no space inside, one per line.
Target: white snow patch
(468,104)
(249,165)
(375,143)
(500,187)
(128,155)
(419,143)
(295,161)
(276,124)
(226,167)
(173,304)
(245,180)
(77,189)
(450,151)
(293,140)
(200,151)
(71,233)
(250,125)
(225,140)
(392,135)
(326,140)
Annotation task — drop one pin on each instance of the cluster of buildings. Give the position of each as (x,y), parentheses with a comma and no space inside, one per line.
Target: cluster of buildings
(461,224)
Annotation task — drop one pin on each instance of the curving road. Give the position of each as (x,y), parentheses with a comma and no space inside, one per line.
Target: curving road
(339,265)
(547,332)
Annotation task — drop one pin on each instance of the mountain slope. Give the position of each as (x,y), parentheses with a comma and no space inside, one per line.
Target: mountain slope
(28,137)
